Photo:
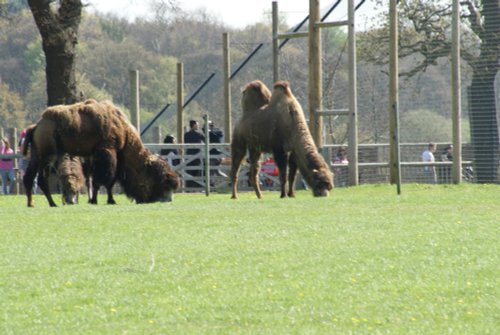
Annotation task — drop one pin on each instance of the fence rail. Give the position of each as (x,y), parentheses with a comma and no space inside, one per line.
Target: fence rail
(373,167)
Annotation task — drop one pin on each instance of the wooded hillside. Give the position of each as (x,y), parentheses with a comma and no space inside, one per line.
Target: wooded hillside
(109,47)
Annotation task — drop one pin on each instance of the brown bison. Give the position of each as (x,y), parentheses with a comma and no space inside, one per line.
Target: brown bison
(276,124)
(100,131)
(71,178)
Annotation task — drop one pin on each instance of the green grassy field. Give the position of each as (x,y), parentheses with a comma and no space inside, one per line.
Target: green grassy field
(363,261)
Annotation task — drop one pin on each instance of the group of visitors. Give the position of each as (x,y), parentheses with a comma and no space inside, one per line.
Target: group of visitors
(7,168)
(430,172)
(196,136)
(7,165)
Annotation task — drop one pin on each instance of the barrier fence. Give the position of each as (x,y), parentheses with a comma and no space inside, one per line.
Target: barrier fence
(373,167)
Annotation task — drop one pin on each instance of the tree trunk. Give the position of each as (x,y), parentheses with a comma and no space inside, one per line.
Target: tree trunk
(483,111)
(59,31)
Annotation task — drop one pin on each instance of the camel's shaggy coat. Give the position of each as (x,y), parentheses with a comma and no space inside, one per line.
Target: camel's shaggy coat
(277,126)
(102,132)
(71,178)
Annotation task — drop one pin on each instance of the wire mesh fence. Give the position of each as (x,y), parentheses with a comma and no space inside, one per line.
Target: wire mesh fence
(424,98)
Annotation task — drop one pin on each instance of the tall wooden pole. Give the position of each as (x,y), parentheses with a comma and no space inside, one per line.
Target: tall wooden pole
(157,135)
(315,80)
(353,112)
(135,116)
(180,102)
(276,49)
(227,88)
(456,94)
(395,164)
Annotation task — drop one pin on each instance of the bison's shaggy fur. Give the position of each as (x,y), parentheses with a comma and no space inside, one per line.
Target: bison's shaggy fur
(277,126)
(101,132)
(71,178)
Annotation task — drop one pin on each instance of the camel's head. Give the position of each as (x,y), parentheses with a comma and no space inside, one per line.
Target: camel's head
(162,181)
(69,196)
(322,182)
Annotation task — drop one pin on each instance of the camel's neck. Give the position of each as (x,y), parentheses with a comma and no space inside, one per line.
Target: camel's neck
(303,146)
(133,158)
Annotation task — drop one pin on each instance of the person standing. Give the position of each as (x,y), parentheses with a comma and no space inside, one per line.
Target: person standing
(7,168)
(215,135)
(194,135)
(445,171)
(430,171)
(341,172)
(170,154)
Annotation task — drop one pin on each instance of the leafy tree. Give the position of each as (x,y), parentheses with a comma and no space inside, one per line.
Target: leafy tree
(425,126)
(10,106)
(424,39)
(17,38)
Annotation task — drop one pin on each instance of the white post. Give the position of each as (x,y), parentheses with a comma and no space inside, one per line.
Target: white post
(276,49)
(227,87)
(135,116)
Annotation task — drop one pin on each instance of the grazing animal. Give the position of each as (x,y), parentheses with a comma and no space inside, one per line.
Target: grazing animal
(102,132)
(71,178)
(278,126)
(101,174)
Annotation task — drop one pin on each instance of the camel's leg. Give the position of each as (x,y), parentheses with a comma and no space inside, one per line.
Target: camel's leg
(253,175)
(104,165)
(237,155)
(43,183)
(87,172)
(280,158)
(292,175)
(90,188)
(94,192)
(29,178)
(111,200)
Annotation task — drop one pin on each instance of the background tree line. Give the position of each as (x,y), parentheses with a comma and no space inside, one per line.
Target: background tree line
(108,47)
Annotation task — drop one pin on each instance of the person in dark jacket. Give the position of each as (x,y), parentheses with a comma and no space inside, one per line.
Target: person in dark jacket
(194,135)
(215,135)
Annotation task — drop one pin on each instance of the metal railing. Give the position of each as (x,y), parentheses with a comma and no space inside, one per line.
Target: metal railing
(373,167)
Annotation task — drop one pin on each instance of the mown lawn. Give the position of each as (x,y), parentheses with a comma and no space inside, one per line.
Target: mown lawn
(363,261)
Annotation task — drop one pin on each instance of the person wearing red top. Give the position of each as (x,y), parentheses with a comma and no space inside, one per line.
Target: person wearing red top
(7,168)
(269,168)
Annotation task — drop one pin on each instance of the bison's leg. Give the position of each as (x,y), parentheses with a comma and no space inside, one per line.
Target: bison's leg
(29,178)
(253,175)
(237,155)
(280,158)
(43,183)
(292,174)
